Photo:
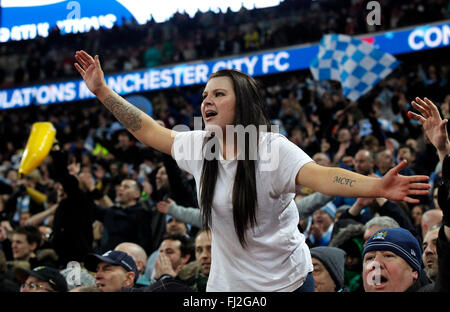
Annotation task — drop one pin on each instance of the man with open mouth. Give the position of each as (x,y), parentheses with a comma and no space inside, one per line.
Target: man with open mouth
(392,262)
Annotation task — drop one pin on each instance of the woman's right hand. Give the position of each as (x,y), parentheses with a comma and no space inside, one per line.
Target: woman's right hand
(91,71)
(141,125)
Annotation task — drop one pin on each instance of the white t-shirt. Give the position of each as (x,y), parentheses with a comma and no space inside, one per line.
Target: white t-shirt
(276,257)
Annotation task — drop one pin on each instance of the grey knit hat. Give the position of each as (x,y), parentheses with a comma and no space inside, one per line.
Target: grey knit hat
(334,261)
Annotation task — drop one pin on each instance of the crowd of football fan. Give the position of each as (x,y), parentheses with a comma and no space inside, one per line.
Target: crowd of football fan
(103,202)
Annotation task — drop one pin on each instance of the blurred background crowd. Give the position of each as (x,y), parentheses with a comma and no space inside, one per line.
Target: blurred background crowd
(111,167)
(206,35)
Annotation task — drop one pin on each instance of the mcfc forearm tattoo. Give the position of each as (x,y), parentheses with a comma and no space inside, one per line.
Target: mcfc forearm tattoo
(343,181)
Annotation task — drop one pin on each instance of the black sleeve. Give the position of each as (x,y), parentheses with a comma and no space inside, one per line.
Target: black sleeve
(5,188)
(5,246)
(179,185)
(443,251)
(144,229)
(413,131)
(11,204)
(377,131)
(60,173)
(347,215)
(107,144)
(95,194)
(99,213)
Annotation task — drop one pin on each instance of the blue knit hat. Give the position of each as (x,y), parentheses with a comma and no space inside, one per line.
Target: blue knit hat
(399,241)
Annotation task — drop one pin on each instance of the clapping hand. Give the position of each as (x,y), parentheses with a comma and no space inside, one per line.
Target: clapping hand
(163,265)
(435,128)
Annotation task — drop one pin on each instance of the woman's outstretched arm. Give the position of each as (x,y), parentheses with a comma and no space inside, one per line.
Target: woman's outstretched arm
(340,182)
(142,126)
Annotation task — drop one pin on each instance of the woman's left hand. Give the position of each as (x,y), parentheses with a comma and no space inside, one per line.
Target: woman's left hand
(396,187)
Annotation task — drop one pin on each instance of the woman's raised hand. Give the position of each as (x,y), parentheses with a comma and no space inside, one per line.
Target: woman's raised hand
(91,71)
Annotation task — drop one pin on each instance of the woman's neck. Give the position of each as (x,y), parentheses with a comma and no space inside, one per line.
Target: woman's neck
(229,148)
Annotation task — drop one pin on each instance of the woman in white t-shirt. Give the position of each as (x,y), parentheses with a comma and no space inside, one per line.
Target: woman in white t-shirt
(246,180)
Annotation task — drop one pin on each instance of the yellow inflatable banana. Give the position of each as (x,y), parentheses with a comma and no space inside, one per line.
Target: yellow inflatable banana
(35,195)
(38,146)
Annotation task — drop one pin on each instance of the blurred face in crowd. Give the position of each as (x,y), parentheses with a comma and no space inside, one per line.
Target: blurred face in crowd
(30,182)
(124,169)
(203,251)
(12,176)
(429,255)
(413,144)
(128,192)
(416,214)
(162,180)
(323,219)
(435,198)
(114,168)
(363,163)
(172,249)
(99,172)
(324,145)
(33,284)
(405,154)
(344,136)
(385,161)
(370,231)
(348,161)
(296,137)
(21,248)
(136,252)
(111,278)
(219,101)
(384,271)
(371,144)
(176,227)
(61,194)
(24,216)
(322,279)
(85,169)
(429,219)
(46,231)
(124,140)
(322,159)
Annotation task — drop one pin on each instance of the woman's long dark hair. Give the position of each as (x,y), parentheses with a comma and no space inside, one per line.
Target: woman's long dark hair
(249,110)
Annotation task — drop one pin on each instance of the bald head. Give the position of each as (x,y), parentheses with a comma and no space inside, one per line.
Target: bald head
(364,162)
(384,160)
(431,218)
(136,252)
(322,159)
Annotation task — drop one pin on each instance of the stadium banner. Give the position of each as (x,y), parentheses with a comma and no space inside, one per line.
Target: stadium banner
(187,74)
(26,19)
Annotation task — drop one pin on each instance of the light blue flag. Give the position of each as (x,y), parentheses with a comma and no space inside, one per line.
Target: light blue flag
(356,64)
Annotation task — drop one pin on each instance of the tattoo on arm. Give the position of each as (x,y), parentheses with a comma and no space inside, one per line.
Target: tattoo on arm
(127,114)
(343,181)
